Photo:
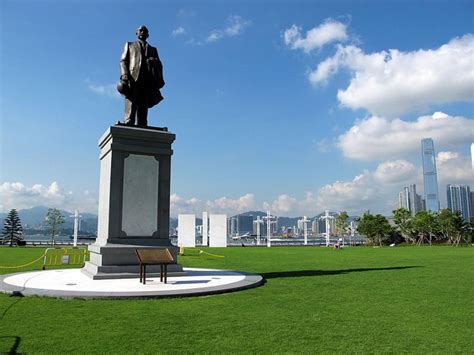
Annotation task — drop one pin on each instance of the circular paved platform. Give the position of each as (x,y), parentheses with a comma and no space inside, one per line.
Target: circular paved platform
(72,283)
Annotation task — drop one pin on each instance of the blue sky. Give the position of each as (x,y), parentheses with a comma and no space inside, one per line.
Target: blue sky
(267,114)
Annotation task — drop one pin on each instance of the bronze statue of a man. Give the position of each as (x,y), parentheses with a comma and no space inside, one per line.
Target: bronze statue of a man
(141,78)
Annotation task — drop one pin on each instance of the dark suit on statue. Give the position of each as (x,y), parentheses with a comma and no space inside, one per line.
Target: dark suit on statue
(141,63)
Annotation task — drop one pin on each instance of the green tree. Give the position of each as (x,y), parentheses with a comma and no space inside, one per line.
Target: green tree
(446,225)
(470,232)
(54,222)
(461,228)
(342,223)
(12,229)
(403,221)
(375,227)
(425,224)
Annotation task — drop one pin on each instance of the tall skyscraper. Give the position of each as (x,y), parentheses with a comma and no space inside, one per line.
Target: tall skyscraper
(430,178)
(415,200)
(459,199)
(410,200)
(404,199)
(471,206)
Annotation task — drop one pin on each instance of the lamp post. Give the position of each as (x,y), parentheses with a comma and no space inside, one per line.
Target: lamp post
(77,217)
(305,222)
(257,223)
(327,218)
(269,219)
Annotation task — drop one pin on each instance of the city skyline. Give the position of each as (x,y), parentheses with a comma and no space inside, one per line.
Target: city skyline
(289,108)
(459,198)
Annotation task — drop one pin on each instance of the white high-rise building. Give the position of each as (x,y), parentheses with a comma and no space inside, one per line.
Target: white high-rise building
(404,199)
(410,200)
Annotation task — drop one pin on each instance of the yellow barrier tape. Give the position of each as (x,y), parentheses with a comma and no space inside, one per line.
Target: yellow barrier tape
(61,256)
(205,252)
(200,251)
(75,257)
(20,266)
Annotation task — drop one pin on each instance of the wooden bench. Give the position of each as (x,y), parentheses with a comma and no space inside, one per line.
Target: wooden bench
(154,256)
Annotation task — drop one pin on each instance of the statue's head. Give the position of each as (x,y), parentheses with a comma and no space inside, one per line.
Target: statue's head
(142,33)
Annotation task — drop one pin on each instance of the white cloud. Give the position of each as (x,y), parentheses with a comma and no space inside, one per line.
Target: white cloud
(453,168)
(186,13)
(179,205)
(108,90)
(284,204)
(380,138)
(225,205)
(178,32)
(288,206)
(357,195)
(375,190)
(395,172)
(378,190)
(236,25)
(19,196)
(324,145)
(327,32)
(395,82)
(231,206)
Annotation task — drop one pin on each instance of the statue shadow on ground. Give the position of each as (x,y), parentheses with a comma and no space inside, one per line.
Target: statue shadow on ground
(16,343)
(10,306)
(306,273)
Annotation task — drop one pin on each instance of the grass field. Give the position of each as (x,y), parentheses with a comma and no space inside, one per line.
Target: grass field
(403,299)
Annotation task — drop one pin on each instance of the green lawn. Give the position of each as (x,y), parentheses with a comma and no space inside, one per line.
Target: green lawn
(403,299)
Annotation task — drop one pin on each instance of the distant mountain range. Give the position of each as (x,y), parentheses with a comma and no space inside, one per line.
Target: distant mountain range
(34,217)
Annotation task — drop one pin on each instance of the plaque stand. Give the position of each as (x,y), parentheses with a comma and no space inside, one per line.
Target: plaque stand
(134,202)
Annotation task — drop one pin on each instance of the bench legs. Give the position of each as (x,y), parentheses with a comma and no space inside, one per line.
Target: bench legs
(163,273)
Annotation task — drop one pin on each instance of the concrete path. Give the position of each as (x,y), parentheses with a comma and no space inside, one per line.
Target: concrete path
(72,283)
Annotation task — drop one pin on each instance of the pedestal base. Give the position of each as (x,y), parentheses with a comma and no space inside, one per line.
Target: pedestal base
(134,201)
(119,261)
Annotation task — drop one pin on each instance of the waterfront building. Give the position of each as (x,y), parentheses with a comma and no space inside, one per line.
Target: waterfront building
(321,225)
(234,226)
(459,199)
(244,224)
(300,224)
(430,178)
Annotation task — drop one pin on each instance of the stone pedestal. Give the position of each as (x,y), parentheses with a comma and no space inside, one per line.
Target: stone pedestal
(134,201)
